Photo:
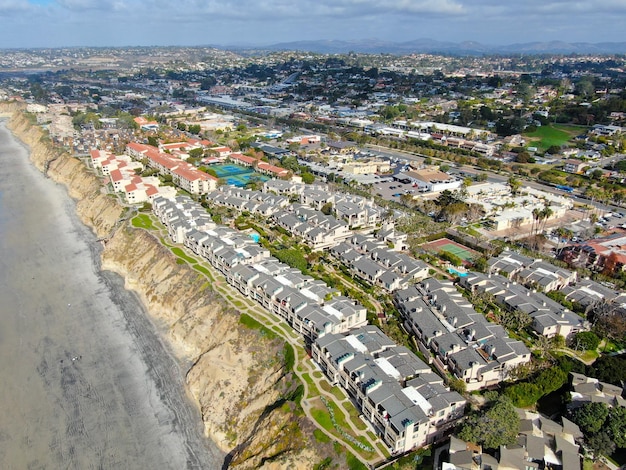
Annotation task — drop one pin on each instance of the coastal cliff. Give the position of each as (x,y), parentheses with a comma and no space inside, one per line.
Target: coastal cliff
(238,376)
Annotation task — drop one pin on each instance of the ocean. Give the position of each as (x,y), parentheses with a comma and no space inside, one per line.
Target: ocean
(86,381)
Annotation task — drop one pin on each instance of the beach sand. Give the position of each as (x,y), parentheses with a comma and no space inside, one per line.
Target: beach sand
(85,380)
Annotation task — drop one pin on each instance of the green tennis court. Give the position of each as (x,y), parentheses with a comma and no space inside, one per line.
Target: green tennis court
(444,244)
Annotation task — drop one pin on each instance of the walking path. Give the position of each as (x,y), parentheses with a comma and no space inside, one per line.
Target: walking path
(370,450)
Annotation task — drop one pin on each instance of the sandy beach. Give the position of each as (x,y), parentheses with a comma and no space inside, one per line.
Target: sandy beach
(87,381)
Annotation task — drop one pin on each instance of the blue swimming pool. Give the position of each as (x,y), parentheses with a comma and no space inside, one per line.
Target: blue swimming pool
(456,273)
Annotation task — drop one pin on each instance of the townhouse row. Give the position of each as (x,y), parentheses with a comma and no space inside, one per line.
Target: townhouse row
(541,443)
(373,261)
(184,175)
(549,318)
(121,172)
(455,338)
(545,277)
(308,305)
(318,230)
(405,402)
(244,200)
(356,211)
(402,398)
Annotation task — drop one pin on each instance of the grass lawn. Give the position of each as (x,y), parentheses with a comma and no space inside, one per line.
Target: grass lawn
(322,417)
(339,395)
(320,436)
(203,270)
(325,386)
(143,221)
(313,391)
(546,136)
(181,254)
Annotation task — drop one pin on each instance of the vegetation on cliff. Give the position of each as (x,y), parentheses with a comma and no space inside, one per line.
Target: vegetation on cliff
(241,377)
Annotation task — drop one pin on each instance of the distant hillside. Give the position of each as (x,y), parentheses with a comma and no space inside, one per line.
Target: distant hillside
(424,45)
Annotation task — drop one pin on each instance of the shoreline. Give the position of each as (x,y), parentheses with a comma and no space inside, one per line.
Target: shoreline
(109,328)
(238,378)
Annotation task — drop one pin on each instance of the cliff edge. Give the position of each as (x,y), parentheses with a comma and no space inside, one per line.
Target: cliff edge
(238,377)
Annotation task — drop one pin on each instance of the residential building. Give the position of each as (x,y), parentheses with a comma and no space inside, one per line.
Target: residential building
(590,390)
(549,318)
(456,338)
(405,402)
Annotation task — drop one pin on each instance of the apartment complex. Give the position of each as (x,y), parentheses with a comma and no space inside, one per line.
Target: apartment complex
(406,403)
(456,338)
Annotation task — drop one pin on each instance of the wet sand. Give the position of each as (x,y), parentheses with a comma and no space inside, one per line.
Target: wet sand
(86,381)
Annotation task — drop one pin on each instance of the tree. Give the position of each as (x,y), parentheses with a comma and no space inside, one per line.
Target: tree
(308,178)
(524,157)
(196,153)
(611,369)
(516,320)
(458,385)
(616,425)
(498,425)
(327,209)
(590,417)
(601,444)
(514,184)
(585,340)
(597,174)
(293,257)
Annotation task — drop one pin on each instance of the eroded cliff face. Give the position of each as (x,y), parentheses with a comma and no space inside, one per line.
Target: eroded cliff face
(237,377)
(95,208)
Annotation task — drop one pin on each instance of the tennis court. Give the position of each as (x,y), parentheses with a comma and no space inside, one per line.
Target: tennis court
(444,244)
(236,175)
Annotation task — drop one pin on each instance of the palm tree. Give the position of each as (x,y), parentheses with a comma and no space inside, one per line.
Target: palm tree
(546,213)
(536,215)
(514,184)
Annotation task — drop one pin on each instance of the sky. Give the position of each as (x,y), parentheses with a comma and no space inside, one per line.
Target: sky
(59,23)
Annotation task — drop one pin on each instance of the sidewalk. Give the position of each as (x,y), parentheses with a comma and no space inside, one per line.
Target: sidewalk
(303,365)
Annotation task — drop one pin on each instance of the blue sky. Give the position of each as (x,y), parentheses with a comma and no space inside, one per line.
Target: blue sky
(57,23)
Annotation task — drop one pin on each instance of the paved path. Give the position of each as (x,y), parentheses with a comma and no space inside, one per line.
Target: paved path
(303,364)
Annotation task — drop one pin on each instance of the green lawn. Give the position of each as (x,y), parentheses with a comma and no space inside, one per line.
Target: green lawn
(181,254)
(339,395)
(313,391)
(320,436)
(143,221)
(546,136)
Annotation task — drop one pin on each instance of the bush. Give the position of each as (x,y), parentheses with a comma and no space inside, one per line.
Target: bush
(525,394)
(289,356)
(453,259)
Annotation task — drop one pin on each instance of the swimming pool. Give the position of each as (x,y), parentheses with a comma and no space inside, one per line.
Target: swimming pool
(457,273)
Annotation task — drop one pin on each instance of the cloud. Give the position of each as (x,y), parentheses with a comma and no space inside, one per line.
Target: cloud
(104,22)
(350,10)
(14,6)
(102,5)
